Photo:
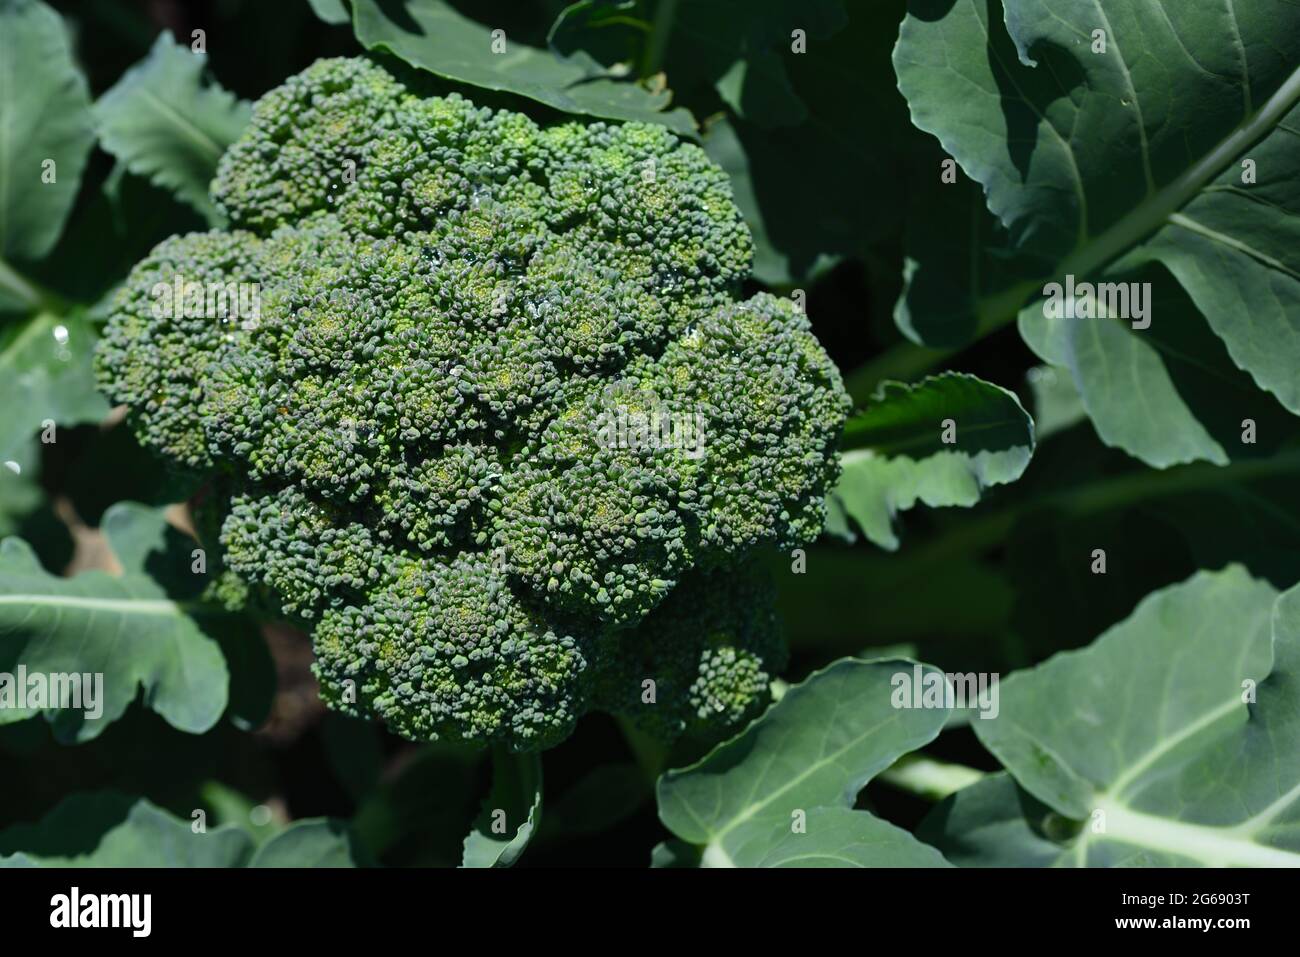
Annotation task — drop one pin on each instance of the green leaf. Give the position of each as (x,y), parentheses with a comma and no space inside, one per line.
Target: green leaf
(165,123)
(850,155)
(895,454)
(745,51)
(1170,741)
(1193,399)
(958,267)
(309,843)
(994,823)
(1057,403)
(434,36)
(45,374)
(44,116)
(109,830)
(1101,165)
(141,538)
(742,51)
(804,762)
(511,812)
(333,12)
(126,628)
(605,37)
(1096,724)
(760,169)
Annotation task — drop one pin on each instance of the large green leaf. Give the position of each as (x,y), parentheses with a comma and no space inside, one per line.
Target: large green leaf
(895,453)
(1171,740)
(848,155)
(782,793)
(44,116)
(45,375)
(167,124)
(1102,161)
(109,830)
(313,843)
(141,538)
(127,628)
(959,271)
(435,36)
(511,813)
(1194,402)
(784,247)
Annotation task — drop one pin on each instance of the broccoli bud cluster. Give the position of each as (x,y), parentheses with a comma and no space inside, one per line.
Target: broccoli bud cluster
(499,430)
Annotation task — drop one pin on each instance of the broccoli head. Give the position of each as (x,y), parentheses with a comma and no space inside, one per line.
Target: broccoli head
(483,410)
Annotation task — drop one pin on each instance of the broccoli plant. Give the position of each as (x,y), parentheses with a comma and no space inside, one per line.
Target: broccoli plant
(650,433)
(501,432)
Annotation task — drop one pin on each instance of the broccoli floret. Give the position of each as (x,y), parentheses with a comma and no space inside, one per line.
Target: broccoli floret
(307,554)
(445,649)
(498,432)
(768,455)
(701,663)
(158,351)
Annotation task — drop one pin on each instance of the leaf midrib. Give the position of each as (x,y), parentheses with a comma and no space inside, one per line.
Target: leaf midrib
(124,606)
(190,130)
(1156,209)
(1220,846)
(756,806)
(891,448)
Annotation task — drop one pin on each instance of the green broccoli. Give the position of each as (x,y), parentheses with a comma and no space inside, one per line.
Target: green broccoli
(499,430)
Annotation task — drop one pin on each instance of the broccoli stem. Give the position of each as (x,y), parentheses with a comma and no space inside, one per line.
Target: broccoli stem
(651,755)
(928,778)
(663,28)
